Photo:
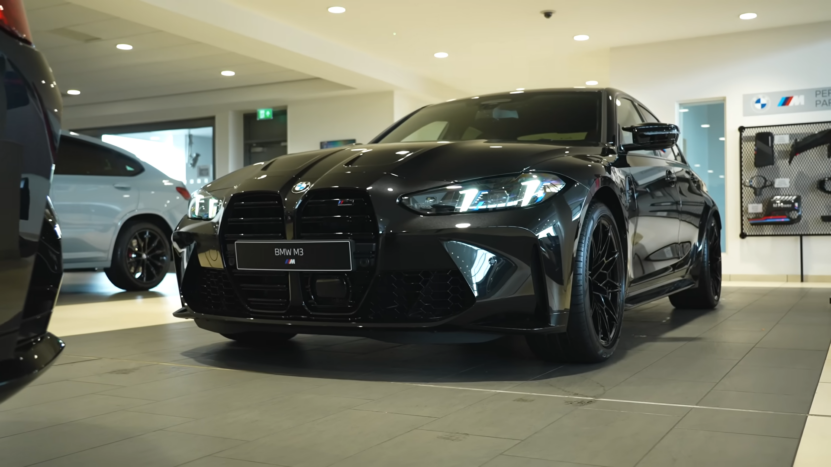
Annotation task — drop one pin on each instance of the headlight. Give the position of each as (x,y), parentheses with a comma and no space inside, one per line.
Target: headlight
(515,191)
(203,206)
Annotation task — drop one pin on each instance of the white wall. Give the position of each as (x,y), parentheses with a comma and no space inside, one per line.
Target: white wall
(406,103)
(727,67)
(359,117)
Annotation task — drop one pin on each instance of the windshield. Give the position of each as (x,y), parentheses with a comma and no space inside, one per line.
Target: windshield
(558,117)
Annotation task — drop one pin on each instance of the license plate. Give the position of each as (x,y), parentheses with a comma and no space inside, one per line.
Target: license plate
(291,255)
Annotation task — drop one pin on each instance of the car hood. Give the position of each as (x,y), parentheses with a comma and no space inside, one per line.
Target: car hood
(406,166)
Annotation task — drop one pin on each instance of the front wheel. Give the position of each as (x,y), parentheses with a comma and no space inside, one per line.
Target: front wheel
(597,296)
(141,258)
(708,293)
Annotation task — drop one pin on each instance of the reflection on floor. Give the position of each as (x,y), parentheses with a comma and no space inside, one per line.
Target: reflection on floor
(729,387)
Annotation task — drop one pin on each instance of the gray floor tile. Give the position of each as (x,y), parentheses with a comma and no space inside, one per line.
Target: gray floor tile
(326,441)
(213,461)
(597,437)
(426,401)
(689,369)
(797,336)
(34,395)
(184,385)
(767,380)
(158,449)
(68,438)
(726,350)
(68,410)
(693,448)
(504,416)
(87,368)
(785,358)
(723,333)
(514,461)
(139,375)
(748,423)
(362,346)
(638,388)
(812,316)
(270,417)
(757,401)
(370,390)
(64,359)
(419,448)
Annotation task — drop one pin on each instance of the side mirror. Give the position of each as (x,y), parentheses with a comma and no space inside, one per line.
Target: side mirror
(652,136)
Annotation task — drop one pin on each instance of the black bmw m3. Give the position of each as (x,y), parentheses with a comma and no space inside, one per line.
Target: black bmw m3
(543,213)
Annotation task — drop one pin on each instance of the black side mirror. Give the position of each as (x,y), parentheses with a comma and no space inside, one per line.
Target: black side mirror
(652,136)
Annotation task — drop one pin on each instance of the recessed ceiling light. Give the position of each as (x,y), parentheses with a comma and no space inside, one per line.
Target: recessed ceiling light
(337,10)
(124,47)
(581,37)
(73,92)
(747,16)
(591,83)
(684,110)
(228,73)
(441,54)
(517,92)
(520,89)
(705,126)
(721,139)
(579,87)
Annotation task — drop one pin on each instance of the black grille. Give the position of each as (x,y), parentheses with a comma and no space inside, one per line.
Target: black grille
(419,296)
(255,216)
(210,291)
(339,214)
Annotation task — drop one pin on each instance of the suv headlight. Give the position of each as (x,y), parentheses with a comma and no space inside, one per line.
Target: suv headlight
(506,192)
(203,206)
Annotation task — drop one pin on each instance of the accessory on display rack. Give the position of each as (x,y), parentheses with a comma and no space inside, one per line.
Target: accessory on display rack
(810,142)
(825,184)
(758,183)
(826,218)
(763,151)
(781,210)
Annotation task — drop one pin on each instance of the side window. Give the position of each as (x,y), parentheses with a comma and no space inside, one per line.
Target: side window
(627,116)
(76,157)
(648,117)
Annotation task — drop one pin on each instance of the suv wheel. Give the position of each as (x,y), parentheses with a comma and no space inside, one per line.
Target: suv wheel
(141,258)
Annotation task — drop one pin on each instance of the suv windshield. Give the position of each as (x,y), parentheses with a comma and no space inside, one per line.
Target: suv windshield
(558,117)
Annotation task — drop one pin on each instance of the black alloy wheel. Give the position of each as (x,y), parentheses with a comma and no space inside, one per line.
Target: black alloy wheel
(141,258)
(597,295)
(707,294)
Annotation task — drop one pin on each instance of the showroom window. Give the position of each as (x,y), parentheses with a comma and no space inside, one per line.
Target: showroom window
(182,150)
(702,142)
(77,157)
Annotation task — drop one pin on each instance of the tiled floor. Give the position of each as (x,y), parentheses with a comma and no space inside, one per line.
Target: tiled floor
(730,387)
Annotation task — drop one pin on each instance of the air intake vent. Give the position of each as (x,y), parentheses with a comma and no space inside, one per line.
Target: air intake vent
(255,216)
(339,214)
(419,296)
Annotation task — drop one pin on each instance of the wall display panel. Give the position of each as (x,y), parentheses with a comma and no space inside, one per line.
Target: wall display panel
(783,174)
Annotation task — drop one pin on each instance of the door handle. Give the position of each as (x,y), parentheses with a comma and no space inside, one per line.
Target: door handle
(122,186)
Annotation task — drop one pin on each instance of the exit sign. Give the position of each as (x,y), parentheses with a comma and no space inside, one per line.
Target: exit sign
(265,114)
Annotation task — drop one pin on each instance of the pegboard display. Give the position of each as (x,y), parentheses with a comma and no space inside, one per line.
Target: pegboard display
(800,204)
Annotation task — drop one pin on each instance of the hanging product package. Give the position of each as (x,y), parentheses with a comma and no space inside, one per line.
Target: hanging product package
(764,152)
(785,209)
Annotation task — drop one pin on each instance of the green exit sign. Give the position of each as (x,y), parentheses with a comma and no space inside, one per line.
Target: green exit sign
(265,114)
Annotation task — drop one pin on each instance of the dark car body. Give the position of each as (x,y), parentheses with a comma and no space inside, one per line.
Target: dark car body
(30,252)
(423,274)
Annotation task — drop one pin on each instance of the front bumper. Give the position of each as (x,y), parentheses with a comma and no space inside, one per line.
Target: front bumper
(418,275)
(27,364)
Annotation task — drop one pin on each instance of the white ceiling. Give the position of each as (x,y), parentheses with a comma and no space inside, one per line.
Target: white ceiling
(503,44)
(79,44)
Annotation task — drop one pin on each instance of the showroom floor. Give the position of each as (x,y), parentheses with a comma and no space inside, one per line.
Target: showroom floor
(728,387)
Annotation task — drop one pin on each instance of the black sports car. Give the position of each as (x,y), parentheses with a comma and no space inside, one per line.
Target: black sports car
(30,248)
(541,213)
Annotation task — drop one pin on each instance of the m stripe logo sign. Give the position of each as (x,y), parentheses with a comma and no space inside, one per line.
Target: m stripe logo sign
(788,101)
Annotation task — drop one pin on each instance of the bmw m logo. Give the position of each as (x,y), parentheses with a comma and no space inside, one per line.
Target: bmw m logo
(291,261)
(300,187)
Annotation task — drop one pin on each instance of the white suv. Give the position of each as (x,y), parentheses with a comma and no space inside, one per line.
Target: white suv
(115,211)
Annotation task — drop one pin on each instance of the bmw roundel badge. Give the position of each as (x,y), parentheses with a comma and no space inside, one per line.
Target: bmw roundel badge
(300,187)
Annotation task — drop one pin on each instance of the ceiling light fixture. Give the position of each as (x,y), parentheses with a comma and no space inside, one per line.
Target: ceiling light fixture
(705,125)
(228,73)
(124,47)
(520,89)
(684,110)
(73,92)
(579,87)
(748,16)
(591,83)
(441,54)
(581,37)
(337,10)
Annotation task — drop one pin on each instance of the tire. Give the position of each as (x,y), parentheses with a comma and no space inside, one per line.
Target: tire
(708,292)
(260,339)
(597,296)
(141,258)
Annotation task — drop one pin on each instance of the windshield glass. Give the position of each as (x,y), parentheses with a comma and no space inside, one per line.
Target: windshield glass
(557,117)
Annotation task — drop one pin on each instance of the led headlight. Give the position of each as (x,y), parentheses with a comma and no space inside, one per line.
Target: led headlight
(203,206)
(507,192)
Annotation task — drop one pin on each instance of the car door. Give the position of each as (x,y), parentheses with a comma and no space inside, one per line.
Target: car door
(692,202)
(653,182)
(92,192)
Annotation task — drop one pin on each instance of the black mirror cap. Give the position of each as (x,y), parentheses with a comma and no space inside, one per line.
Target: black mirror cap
(652,136)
